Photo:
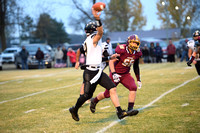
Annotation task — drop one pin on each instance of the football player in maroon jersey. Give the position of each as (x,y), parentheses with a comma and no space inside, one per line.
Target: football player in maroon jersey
(120,72)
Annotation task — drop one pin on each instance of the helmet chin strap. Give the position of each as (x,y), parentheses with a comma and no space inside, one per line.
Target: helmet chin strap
(130,50)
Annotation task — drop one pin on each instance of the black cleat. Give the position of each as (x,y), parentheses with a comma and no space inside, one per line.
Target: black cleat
(92,106)
(122,114)
(74,113)
(132,112)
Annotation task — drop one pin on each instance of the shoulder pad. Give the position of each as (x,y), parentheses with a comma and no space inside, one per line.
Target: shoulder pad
(121,47)
(138,50)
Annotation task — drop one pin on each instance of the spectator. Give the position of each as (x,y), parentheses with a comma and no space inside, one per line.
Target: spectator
(72,56)
(159,53)
(145,53)
(184,51)
(109,45)
(24,56)
(64,59)
(58,56)
(171,51)
(152,53)
(40,57)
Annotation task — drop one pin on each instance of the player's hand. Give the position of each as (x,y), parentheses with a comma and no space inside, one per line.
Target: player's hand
(139,84)
(116,77)
(96,14)
(194,62)
(77,65)
(114,56)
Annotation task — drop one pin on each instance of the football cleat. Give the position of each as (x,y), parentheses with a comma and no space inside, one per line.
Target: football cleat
(74,113)
(122,114)
(92,105)
(132,112)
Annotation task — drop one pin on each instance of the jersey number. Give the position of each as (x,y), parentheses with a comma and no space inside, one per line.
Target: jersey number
(128,62)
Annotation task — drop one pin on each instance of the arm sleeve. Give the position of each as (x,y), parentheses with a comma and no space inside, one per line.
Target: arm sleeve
(82,50)
(105,58)
(137,69)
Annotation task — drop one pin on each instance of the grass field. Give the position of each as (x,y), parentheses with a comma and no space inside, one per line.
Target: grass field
(38,101)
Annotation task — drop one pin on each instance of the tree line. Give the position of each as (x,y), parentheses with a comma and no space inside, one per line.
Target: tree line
(120,15)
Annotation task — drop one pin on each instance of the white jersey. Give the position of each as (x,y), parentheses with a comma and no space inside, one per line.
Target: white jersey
(190,44)
(94,53)
(107,47)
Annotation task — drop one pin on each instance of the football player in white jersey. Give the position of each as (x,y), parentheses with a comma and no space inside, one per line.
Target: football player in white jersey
(194,51)
(93,74)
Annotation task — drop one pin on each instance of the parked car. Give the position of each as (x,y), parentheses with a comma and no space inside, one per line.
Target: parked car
(8,55)
(179,46)
(0,62)
(75,47)
(32,61)
(162,44)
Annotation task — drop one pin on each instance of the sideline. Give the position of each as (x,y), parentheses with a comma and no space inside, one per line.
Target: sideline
(150,104)
(40,92)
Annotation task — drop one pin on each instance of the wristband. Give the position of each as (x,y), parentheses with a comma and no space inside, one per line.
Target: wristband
(98,22)
(114,73)
(109,57)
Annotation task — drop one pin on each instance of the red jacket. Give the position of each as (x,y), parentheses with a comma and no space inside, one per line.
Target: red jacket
(171,49)
(72,56)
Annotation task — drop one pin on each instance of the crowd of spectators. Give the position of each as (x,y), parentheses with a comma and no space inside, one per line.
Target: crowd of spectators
(66,57)
(154,53)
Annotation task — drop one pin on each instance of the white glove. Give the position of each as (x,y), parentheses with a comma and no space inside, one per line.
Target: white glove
(116,77)
(139,84)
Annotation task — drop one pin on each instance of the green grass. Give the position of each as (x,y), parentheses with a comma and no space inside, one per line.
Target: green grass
(61,89)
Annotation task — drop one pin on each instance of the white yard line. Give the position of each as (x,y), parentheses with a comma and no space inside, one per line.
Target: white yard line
(185,104)
(150,104)
(105,107)
(65,109)
(30,111)
(36,93)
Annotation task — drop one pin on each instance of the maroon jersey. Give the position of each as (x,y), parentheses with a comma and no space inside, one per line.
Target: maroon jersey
(122,66)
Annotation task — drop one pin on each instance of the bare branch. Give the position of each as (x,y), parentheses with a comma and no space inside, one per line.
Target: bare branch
(81,9)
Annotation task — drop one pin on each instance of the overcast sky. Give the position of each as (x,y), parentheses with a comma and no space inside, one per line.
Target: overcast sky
(62,9)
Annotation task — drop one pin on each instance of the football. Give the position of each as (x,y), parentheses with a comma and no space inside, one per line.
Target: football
(99,6)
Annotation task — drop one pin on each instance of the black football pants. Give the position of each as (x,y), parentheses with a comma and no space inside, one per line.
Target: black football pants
(89,88)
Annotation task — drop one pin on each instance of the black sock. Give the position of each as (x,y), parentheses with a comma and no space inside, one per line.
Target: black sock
(119,109)
(81,100)
(130,106)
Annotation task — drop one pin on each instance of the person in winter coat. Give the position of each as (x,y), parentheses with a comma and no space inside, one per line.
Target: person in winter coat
(58,55)
(171,51)
(40,57)
(72,56)
(152,53)
(159,53)
(64,59)
(24,56)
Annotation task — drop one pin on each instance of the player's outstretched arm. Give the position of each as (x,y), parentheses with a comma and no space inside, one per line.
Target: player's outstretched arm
(99,34)
(78,53)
